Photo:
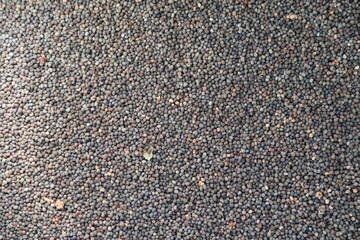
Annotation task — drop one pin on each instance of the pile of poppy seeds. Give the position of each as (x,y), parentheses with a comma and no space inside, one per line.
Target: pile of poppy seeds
(179,119)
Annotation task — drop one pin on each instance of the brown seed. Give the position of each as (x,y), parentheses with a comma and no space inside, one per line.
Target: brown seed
(108,173)
(42,59)
(319,195)
(292,16)
(201,183)
(59,204)
(232,224)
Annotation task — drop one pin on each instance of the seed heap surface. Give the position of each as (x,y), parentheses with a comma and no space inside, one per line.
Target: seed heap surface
(179,119)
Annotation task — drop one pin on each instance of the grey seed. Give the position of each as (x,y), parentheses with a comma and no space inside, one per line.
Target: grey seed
(251,108)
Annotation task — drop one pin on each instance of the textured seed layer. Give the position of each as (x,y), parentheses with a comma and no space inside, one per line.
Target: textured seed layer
(179,119)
